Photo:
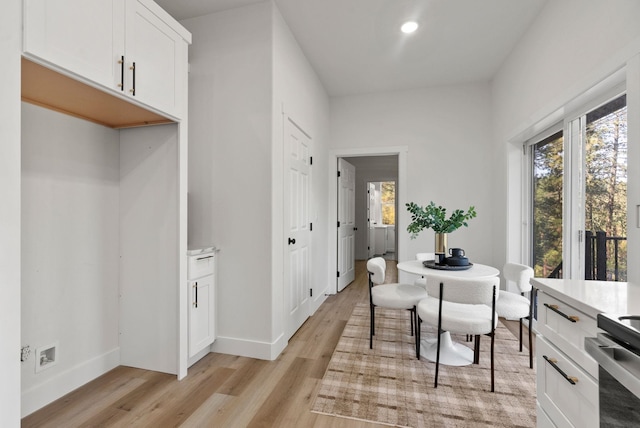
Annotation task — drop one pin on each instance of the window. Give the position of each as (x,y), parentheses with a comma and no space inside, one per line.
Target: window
(547,180)
(606,192)
(388,202)
(578,196)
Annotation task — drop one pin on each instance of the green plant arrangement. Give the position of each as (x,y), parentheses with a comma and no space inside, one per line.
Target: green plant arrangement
(435,217)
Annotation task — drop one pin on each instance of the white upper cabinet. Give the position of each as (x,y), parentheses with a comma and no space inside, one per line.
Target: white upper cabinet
(83,37)
(152,60)
(130,47)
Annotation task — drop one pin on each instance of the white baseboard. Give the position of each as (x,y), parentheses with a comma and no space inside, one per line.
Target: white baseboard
(200,355)
(39,396)
(249,348)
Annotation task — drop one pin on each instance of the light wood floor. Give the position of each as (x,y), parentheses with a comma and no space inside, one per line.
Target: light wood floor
(221,390)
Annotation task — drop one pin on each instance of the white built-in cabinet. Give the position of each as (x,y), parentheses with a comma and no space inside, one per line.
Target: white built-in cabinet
(567,377)
(124,46)
(202,299)
(86,43)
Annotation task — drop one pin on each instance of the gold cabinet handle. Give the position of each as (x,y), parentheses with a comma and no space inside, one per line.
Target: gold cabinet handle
(554,363)
(121,84)
(554,308)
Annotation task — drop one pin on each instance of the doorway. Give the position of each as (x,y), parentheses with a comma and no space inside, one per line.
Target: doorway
(371,166)
(381,219)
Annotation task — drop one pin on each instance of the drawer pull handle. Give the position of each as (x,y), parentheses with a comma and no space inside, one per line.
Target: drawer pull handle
(133,89)
(202,258)
(195,289)
(121,84)
(554,363)
(554,308)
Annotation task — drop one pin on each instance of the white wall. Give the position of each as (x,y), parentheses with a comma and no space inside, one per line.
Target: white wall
(10,47)
(572,46)
(70,224)
(230,93)
(448,134)
(245,68)
(149,247)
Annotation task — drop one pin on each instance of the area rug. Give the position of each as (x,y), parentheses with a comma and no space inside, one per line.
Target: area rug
(388,385)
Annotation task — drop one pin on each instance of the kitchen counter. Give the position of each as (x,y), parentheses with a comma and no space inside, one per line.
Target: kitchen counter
(593,297)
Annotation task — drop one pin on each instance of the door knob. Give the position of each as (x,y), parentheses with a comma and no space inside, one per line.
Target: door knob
(292,241)
(355,228)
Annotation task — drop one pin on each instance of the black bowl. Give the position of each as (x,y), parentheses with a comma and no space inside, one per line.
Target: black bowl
(457,261)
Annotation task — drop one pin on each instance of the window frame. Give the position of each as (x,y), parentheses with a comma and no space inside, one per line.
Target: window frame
(573,126)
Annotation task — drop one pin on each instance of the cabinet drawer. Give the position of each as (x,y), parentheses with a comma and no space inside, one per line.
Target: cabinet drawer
(567,404)
(566,327)
(201,265)
(543,420)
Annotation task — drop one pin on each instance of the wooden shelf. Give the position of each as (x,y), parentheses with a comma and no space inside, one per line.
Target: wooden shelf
(47,88)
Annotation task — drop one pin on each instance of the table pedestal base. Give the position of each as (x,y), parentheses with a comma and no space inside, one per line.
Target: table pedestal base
(451,353)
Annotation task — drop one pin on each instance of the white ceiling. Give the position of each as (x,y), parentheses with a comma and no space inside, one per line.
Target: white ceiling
(355,46)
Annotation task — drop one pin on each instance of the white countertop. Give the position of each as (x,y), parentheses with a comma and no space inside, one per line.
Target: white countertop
(593,297)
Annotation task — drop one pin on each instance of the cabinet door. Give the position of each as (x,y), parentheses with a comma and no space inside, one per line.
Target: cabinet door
(83,37)
(201,314)
(153,55)
(568,404)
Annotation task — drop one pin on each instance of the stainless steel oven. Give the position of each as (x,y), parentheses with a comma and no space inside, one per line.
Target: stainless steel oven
(617,351)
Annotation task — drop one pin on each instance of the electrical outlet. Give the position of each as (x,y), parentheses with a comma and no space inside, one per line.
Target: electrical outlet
(25,352)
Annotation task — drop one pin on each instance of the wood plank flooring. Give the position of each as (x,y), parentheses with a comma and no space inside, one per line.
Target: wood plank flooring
(221,390)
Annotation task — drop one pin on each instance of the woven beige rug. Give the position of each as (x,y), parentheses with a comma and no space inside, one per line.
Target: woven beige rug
(389,385)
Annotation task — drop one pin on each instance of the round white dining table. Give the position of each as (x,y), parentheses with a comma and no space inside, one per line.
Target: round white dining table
(451,353)
(475,271)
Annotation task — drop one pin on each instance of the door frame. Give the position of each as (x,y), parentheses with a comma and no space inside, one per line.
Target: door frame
(401,192)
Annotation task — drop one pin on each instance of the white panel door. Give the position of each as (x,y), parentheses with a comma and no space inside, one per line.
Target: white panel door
(297,182)
(346,223)
(371,203)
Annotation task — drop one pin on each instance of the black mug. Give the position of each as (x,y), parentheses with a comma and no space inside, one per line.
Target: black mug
(456,252)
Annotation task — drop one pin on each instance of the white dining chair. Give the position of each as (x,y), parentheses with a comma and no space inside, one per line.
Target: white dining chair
(514,306)
(392,296)
(461,306)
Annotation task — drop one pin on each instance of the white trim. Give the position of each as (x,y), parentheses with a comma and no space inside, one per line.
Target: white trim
(401,191)
(545,134)
(250,348)
(633,167)
(44,393)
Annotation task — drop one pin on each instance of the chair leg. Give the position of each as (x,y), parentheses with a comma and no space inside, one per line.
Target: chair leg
(439,333)
(476,350)
(493,337)
(417,335)
(520,337)
(412,311)
(372,328)
(435,383)
(530,346)
(532,300)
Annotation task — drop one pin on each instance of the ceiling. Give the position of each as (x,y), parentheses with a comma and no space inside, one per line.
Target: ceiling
(355,46)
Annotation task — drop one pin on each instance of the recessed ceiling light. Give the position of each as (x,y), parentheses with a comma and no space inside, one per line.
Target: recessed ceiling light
(409,27)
